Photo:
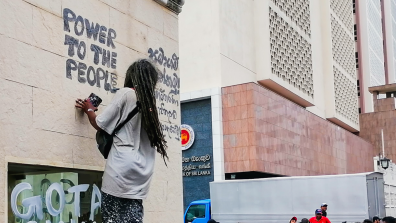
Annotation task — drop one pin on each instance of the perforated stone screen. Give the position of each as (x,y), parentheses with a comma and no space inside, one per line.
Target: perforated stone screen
(343,46)
(291,55)
(344,68)
(297,11)
(375,43)
(343,9)
(345,97)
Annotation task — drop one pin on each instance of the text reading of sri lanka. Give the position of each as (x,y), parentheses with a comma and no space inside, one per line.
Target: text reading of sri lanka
(101,56)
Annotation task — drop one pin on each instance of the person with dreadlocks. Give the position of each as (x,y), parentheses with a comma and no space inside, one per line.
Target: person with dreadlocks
(130,164)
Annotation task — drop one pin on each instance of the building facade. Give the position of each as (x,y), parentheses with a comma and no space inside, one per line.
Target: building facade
(54,52)
(389,31)
(283,83)
(370,50)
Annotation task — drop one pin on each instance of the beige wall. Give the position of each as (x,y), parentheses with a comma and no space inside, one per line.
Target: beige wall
(39,124)
(199,35)
(237,43)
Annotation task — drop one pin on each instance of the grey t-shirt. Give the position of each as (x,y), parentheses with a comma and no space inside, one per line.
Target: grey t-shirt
(130,164)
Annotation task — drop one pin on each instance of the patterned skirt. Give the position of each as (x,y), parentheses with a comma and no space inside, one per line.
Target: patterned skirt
(121,210)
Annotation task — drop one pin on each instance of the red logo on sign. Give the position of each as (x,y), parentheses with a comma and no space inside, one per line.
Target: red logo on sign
(185,137)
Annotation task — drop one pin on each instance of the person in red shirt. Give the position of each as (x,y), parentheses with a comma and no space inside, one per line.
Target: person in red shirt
(319,218)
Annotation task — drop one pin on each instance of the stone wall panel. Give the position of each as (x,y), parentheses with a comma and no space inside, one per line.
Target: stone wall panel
(93,10)
(50,115)
(54,7)
(18,98)
(130,32)
(17,20)
(170,26)
(120,5)
(30,65)
(155,19)
(39,123)
(48,33)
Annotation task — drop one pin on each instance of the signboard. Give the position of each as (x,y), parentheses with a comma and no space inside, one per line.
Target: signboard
(187,136)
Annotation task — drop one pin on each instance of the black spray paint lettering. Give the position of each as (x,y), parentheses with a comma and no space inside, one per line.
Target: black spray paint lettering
(159,57)
(102,34)
(169,81)
(107,85)
(168,113)
(81,72)
(92,31)
(172,130)
(72,42)
(109,59)
(113,60)
(91,78)
(106,58)
(167,98)
(90,74)
(75,43)
(66,18)
(100,77)
(81,26)
(114,78)
(82,46)
(106,36)
(71,65)
(97,50)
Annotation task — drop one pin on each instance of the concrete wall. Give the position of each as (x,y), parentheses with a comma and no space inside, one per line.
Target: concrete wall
(218,44)
(237,42)
(39,124)
(199,35)
(370,49)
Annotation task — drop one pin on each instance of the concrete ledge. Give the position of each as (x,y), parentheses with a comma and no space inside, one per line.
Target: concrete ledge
(275,87)
(343,124)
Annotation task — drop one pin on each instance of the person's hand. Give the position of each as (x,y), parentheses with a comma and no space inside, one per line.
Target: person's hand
(85,105)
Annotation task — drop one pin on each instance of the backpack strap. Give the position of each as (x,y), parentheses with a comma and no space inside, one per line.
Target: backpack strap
(130,116)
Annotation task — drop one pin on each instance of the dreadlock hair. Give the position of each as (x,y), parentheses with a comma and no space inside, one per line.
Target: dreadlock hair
(142,75)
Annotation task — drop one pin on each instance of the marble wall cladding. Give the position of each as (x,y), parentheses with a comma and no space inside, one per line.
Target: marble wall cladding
(386,104)
(268,133)
(383,117)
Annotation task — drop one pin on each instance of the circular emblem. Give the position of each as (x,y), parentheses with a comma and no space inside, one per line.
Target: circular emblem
(187,136)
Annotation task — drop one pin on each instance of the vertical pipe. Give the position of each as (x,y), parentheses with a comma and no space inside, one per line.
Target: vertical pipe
(382,138)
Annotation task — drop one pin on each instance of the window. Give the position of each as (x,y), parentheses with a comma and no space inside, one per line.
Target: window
(53,191)
(358,88)
(355,31)
(195,211)
(354,6)
(357,59)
